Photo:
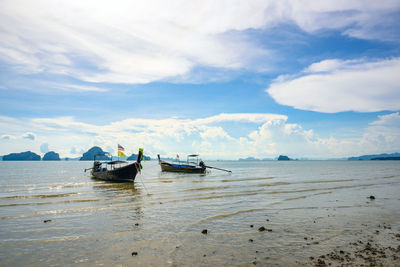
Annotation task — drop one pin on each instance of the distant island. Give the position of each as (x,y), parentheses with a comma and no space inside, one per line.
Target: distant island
(393,156)
(89,155)
(387,158)
(51,155)
(134,157)
(28,155)
(253,158)
(102,155)
(281,157)
(95,151)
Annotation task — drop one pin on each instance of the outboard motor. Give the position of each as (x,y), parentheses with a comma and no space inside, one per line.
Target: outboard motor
(96,166)
(202,165)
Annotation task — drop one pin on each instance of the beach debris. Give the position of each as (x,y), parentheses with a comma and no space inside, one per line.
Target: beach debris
(372,197)
(251,226)
(321,263)
(46,221)
(136,224)
(251,240)
(204,232)
(367,253)
(262,229)
(134,253)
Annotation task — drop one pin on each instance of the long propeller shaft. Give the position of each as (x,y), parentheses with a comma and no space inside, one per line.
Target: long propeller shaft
(218,168)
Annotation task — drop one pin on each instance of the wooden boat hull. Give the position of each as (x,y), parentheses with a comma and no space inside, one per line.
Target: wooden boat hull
(123,174)
(167,167)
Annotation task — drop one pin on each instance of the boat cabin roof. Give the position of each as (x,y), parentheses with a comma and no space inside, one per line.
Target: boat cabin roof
(193,155)
(116,162)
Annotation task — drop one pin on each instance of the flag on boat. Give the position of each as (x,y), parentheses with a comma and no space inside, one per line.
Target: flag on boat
(141,150)
(120,149)
(177,156)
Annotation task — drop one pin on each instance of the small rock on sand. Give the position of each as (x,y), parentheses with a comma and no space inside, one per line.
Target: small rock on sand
(134,253)
(204,232)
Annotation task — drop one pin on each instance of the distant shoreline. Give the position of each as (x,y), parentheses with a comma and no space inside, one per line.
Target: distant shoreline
(31,156)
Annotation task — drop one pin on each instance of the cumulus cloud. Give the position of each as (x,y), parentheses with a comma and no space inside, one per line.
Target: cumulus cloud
(139,42)
(7,137)
(213,137)
(341,85)
(73,150)
(29,135)
(44,148)
(384,132)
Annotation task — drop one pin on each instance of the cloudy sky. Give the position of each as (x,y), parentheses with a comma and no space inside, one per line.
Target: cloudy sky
(227,79)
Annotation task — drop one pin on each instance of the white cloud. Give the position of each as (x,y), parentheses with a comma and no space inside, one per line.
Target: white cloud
(269,136)
(75,87)
(29,135)
(390,120)
(7,137)
(385,132)
(213,133)
(44,148)
(339,85)
(139,42)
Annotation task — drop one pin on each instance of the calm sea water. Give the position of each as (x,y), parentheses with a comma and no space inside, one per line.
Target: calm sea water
(309,207)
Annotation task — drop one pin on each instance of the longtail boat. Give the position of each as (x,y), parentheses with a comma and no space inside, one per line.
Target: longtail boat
(192,165)
(117,170)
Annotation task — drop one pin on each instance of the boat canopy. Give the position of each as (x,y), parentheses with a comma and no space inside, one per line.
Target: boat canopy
(116,162)
(193,155)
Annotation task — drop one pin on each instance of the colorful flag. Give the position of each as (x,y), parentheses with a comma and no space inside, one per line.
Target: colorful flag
(141,150)
(120,148)
(177,156)
(121,154)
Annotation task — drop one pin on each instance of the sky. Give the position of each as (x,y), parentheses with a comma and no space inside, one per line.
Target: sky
(225,79)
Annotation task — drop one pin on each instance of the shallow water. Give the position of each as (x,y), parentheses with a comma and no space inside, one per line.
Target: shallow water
(307,207)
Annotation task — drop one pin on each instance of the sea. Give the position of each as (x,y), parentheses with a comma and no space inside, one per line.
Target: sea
(264,213)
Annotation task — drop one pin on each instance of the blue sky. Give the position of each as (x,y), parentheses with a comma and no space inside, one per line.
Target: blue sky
(226,79)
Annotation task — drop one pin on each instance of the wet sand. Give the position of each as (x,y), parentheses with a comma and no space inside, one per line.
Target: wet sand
(263,214)
(367,250)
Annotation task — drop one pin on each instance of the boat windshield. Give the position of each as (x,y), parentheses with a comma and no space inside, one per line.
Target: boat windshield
(194,159)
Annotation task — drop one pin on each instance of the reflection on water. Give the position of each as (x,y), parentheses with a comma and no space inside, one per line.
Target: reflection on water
(304,207)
